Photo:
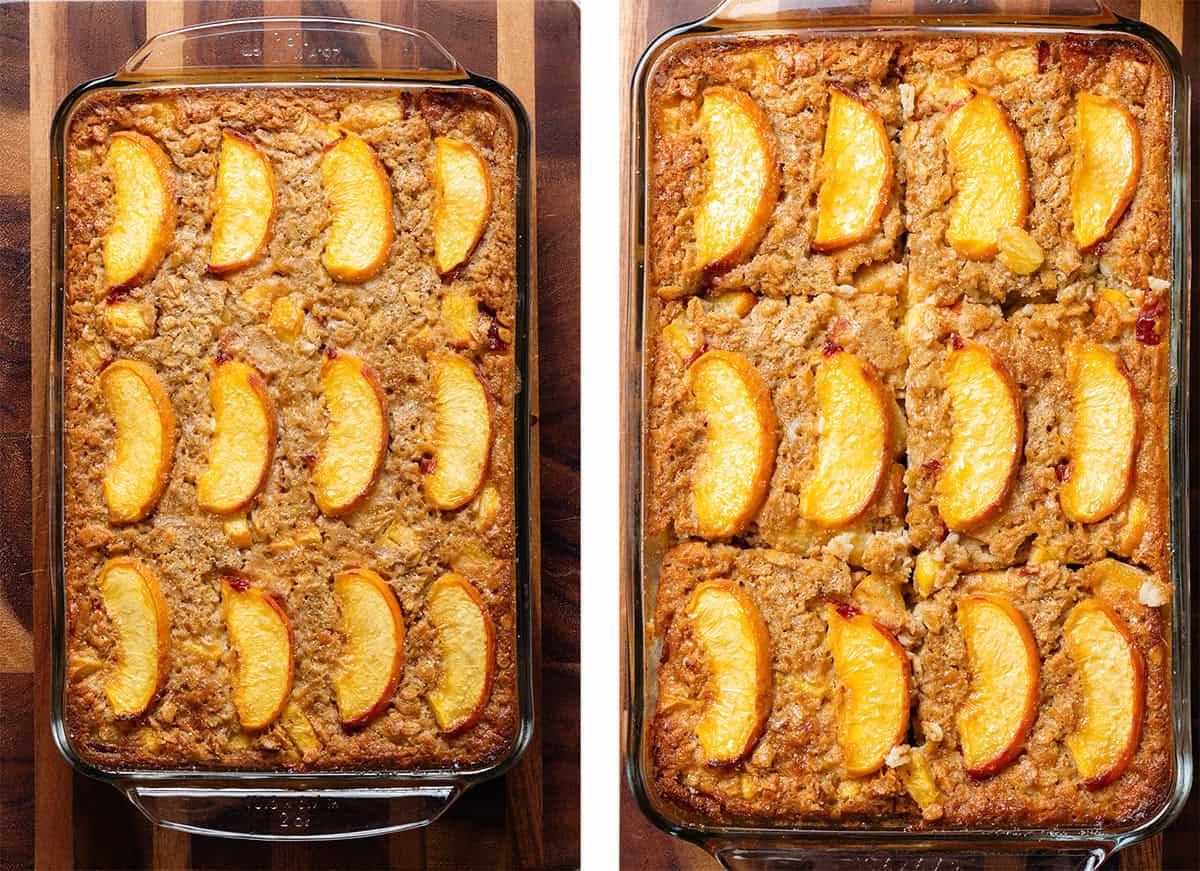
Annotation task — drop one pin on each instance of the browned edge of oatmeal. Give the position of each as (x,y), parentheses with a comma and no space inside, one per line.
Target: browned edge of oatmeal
(393,322)
(788,76)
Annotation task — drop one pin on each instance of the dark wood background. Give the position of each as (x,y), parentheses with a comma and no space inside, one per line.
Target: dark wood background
(57,819)
(643,846)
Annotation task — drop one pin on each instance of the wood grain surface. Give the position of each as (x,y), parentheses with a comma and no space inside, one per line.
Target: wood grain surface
(643,846)
(53,818)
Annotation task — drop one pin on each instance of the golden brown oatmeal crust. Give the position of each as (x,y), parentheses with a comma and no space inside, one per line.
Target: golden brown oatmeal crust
(393,323)
(895,300)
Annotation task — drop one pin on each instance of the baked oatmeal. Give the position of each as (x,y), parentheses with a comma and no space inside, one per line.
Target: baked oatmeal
(795,773)
(907,342)
(326,355)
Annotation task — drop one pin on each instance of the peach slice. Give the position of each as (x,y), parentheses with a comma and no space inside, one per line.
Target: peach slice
(1005,667)
(237,529)
(464,189)
(140,465)
(741,179)
(734,470)
(243,445)
(462,433)
(244,204)
(372,660)
(1104,435)
(1112,580)
(856,173)
(1019,251)
(144,209)
(1108,163)
(1111,676)
(126,320)
(917,777)
(1019,63)
(926,568)
(729,629)
(991,176)
(300,729)
(373,113)
(874,679)
(734,302)
(987,434)
(855,441)
(684,338)
(468,643)
(881,597)
(286,320)
(460,317)
(142,625)
(261,637)
(361,229)
(1133,530)
(357,438)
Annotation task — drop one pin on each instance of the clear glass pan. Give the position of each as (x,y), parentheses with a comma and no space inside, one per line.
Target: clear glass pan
(296,52)
(751,846)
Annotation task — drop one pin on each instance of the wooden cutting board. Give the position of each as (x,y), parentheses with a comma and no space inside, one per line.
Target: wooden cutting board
(645,847)
(59,819)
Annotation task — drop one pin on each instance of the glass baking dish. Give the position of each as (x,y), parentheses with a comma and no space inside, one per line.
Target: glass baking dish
(748,846)
(297,52)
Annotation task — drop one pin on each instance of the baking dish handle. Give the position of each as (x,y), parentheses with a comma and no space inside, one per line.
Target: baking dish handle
(740,857)
(747,11)
(273,814)
(283,44)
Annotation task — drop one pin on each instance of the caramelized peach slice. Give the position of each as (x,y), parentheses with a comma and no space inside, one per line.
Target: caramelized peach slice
(261,637)
(372,659)
(1111,677)
(1108,163)
(244,204)
(741,178)
(731,478)
(855,441)
(239,459)
(467,639)
(856,173)
(991,177)
(144,210)
(874,681)
(462,433)
(464,189)
(987,434)
(1005,666)
(729,629)
(361,229)
(1104,435)
(357,438)
(140,465)
(142,627)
